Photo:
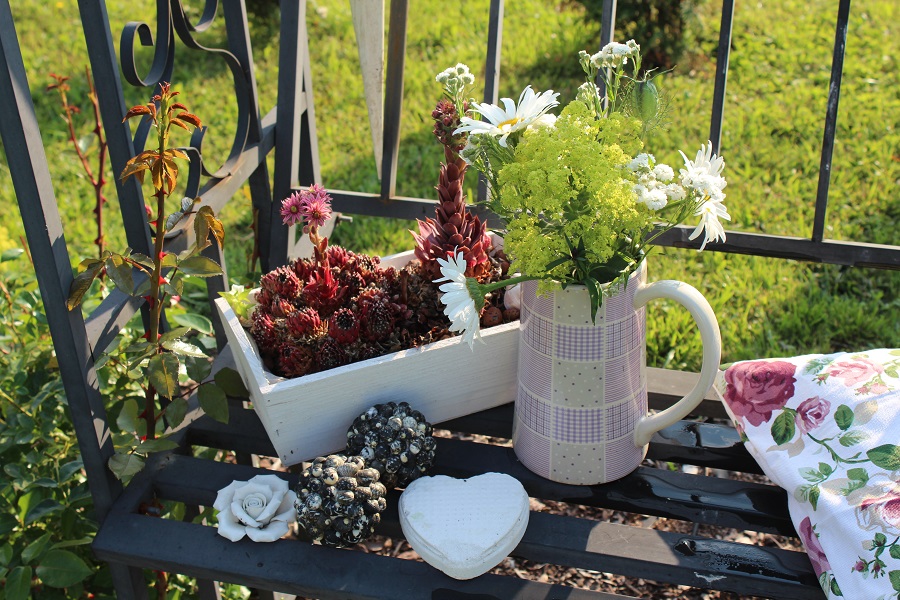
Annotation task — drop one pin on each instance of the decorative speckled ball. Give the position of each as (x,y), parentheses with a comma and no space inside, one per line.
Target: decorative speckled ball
(394,439)
(339,500)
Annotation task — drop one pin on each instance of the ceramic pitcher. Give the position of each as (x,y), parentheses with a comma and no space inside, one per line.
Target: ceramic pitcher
(581,404)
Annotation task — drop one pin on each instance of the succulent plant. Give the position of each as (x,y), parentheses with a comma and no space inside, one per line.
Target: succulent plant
(339,500)
(395,440)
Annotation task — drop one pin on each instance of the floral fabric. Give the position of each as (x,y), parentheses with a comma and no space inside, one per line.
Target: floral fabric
(826,429)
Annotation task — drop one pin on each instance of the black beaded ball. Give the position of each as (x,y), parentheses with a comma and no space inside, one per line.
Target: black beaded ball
(339,500)
(394,439)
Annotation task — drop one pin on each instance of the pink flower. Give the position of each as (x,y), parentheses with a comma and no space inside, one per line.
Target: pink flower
(756,388)
(316,206)
(882,512)
(292,209)
(811,413)
(855,371)
(814,549)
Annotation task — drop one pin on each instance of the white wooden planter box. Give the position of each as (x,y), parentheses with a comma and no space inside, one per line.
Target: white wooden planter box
(308,416)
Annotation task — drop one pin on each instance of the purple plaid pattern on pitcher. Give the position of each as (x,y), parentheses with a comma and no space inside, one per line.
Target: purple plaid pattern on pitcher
(535,371)
(578,426)
(532,450)
(538,333)
(621,418)
(623,376)
(578,343)
(621,457)
(625,335)
(533,412)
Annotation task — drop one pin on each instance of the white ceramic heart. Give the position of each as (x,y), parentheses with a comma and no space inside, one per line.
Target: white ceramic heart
(464,527)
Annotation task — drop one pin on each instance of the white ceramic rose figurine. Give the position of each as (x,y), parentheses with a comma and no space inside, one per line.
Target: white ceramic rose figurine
(261,508)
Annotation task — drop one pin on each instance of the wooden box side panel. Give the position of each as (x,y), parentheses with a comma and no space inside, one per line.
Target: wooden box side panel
(311,419)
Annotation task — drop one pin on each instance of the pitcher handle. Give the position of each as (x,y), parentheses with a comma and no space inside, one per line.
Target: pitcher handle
(690,298)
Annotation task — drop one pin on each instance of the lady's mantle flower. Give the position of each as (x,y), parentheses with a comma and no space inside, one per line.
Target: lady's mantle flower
(260,508)
(459,306)
(702,178)
(501,122)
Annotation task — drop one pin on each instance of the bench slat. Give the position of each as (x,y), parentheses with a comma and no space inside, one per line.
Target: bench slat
(294,567)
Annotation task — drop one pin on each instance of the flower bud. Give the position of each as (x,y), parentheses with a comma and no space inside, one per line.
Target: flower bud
(645,100)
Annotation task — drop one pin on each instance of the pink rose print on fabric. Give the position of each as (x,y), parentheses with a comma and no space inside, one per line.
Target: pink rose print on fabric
(853,372)
(814,549)
(882,512)
(811,413)
(756,388)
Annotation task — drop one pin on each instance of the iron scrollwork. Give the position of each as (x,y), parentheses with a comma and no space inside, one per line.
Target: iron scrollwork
(171,20)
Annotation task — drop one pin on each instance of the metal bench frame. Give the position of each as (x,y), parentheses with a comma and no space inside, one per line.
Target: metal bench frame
(290,566)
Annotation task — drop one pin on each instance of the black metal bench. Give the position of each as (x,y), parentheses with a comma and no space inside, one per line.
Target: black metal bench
(320,572)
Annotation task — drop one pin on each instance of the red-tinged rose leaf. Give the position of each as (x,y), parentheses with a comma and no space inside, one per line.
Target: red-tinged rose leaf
(200,266)
(190,118)
(176,153)
(180,123)
(136,111)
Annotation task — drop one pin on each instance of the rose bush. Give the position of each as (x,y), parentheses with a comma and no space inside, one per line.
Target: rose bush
(811,413)
(261,508)
(756,388)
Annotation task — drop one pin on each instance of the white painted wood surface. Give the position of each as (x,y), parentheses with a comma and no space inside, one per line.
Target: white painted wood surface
(308,416)
(368,22)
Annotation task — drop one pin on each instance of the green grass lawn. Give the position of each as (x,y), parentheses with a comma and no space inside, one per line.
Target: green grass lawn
(777,89)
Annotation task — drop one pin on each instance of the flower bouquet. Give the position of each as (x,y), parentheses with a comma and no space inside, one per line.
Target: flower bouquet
(361,330)
(581,199)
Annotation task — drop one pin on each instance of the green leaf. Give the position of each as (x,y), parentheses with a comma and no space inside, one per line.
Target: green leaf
(895,580)
(61,568)
(783,428)
(843,416)
(810,474)
(880,539)
(156,445)
(163,374)
(18,584)
(895,552)
(124,465)
(120,273)
(198,369)
(35,548)
(42,509)
(128,416)
(200,266)
(851,438)
(182,348)
(825,469)
(7,524)
(886,456)
(174,334)
(834,587)
(231,383)
(71,543)
(814,496)
(175,411)
(11,254)
(82,283)
(858,473)
(213,402)
(194,321)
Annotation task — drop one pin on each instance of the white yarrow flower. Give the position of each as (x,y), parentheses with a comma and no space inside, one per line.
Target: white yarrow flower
(663,172)
(458,303)
(501,122)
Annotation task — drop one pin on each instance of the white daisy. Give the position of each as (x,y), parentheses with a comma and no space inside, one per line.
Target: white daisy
(501,122)
(458,303)
(704,173)
(710,212)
